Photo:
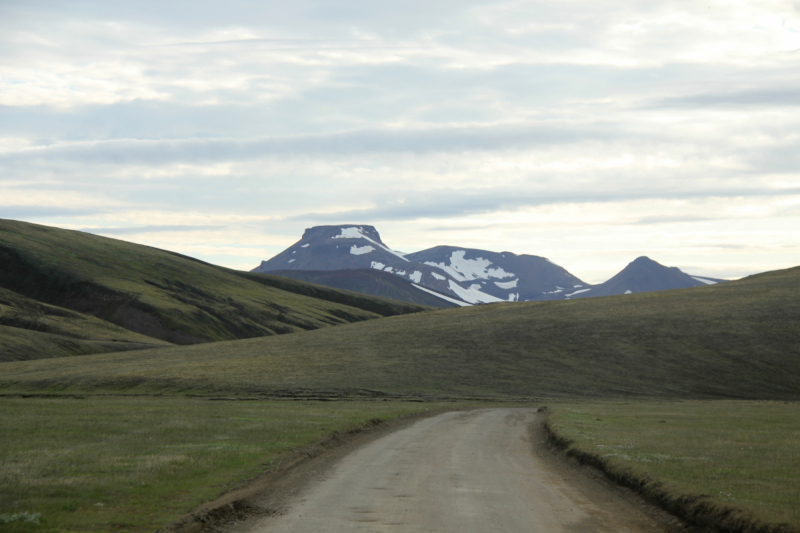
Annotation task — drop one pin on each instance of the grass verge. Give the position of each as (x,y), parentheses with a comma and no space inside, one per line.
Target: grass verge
(723,465)
(135,464)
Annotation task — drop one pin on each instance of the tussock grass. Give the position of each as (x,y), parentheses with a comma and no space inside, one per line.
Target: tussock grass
(135,464)
(726,464)
(734,340)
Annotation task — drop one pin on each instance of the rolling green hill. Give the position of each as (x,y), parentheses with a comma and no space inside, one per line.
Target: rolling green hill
(165,295)
(734,340)
(33,330)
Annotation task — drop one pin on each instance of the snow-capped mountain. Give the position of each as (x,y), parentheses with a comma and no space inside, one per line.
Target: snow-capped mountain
(645,275)
(462,275)
(505,275)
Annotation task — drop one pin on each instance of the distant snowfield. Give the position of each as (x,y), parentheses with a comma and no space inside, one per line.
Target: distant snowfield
(438,276)
(462,269)
(704,280)
(355,250)
(577,292)
(358,233)
(442,296)
(471,295)
(507,284)
(416,277)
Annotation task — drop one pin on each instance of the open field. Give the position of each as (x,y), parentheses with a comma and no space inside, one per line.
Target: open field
(135,464)
(728,462)
(733,340)
(165,295)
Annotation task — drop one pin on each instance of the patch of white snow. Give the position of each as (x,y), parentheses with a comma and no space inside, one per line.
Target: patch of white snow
(628,292)
(377,265)
(507,284)
(475,286)
(401,272)
(512,297)
(355,250)
(704,280)
(577,286)
(442,296)
(304,246)
(416,277)
(469,269)
(578,292)
(388,269)
(438,276)
(472,296)
(358,233)
(291,260)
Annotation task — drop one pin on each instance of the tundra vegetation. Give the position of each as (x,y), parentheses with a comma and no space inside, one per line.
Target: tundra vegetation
(146,444)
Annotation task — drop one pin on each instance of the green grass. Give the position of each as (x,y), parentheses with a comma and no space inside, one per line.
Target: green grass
(33,330)
(715,455)
(165,295)
(135,464)
(734,340)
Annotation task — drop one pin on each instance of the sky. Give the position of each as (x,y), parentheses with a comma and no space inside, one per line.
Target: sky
(587,132)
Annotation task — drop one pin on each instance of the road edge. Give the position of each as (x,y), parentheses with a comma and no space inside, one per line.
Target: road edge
(694,509)
(262,495)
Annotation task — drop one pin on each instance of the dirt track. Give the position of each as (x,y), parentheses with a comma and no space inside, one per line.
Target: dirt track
(476,471)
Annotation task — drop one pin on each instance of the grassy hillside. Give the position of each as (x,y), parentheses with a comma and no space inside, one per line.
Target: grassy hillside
(367,281)
(33,330)
(162,294)
(734,340)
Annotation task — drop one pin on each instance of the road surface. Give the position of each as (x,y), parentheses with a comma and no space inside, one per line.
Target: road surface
(460,472)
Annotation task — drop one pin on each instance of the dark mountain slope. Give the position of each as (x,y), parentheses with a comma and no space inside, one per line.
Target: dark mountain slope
(643,275)
(504,275)
(157,293)
(368,281)
(733,340)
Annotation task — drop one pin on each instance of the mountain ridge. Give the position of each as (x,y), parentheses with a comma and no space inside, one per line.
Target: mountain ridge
(467,275)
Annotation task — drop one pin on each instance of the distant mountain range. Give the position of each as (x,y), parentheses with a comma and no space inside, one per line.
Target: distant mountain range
(354,257)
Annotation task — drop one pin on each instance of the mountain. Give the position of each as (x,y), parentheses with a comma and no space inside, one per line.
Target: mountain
(369,281)
(164,295)
(466,275)
(504,275)
(645,275)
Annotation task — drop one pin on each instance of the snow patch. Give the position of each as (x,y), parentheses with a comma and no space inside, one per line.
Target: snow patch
(294,252)
(628,292)
(291,260)
(507,284)
(401,272)
(388,269)
(577,286)
(358,233)
(442,296)
(438,276)
(470,295)
(355,250)
(377,265)
(512,297)
(304,246)
(416,277)
(578,292)
(469,269)
(475,286)
(704,280)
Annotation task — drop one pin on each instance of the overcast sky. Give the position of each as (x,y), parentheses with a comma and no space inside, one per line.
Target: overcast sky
(588,132)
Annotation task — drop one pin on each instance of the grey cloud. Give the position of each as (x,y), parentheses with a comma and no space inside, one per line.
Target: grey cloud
(452,139)
(450,203)
(759,97)
(148,229)
(20,212)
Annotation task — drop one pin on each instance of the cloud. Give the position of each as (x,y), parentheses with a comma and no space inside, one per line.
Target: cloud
(148,229)
(782,97)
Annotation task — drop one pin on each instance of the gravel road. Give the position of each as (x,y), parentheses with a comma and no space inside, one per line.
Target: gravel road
(461,472)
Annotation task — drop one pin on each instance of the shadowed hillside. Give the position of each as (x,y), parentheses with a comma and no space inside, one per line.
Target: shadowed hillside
(734,340)
(165,295)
